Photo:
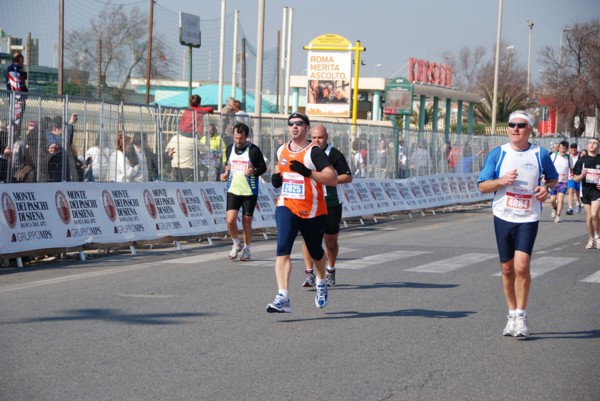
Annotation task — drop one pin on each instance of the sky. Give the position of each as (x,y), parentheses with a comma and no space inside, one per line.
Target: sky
(391,30)
(395,30)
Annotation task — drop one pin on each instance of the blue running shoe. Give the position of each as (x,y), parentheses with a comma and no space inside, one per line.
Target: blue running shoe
(321,295)
(280,304)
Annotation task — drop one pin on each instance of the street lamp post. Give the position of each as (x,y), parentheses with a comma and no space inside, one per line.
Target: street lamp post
(497,63)
(509,51)
(560,46)
(376,66)
(530,25)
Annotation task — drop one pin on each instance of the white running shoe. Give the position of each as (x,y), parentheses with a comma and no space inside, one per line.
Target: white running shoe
(557,219)
(598,244)
(521,329)
(590,244)
(553,215)
(509,330)
(245,254)
(321,295)
(280,304)
(235,249)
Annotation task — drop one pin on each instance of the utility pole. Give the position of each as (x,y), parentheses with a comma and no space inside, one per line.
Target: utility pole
(99,56)
(149,61)
(61,45)
(530,25)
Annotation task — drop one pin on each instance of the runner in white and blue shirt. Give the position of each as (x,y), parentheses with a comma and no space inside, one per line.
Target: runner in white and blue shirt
(514,172)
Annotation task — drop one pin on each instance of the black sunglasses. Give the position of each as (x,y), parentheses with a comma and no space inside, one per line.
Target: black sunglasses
(520,125)
(298,123)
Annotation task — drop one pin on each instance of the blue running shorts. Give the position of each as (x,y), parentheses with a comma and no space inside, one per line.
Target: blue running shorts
(512,237)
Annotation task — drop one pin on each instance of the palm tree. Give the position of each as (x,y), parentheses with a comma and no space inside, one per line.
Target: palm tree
(508,101)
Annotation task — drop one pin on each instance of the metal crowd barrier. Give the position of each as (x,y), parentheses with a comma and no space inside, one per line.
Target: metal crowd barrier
(104,129)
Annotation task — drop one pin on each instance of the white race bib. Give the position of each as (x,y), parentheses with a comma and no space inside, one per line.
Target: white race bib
(592,176)
(518,201)
(293,186)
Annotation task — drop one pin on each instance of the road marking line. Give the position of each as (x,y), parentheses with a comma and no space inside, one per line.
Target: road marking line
(594,278)
(366,261)
(545,264)
(448,265)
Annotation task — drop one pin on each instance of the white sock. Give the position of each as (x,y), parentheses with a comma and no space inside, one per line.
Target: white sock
(283,292)
(321,281)
(330,267)
(237,241)
(521,312)
(512,312)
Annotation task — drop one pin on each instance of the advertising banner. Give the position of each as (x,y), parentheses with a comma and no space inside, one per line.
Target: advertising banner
(329,79)
(71,214)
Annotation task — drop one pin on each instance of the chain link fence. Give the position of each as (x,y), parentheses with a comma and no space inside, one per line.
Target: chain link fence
(60,138)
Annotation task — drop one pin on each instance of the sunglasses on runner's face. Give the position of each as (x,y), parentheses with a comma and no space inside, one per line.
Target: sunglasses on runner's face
(519,125)
(298,123)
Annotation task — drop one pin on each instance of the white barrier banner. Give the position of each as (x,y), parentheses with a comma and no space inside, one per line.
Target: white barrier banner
(352,205)
(66,215)
(391,189)
(384,202)
(409,196)
(264,214)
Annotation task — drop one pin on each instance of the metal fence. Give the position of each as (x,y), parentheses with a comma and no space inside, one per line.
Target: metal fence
(60,138)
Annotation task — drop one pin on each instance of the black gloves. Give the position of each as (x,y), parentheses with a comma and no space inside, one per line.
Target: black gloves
(276,180)
(300,168)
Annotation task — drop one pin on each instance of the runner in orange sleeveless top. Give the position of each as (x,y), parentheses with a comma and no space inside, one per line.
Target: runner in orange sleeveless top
(302,170)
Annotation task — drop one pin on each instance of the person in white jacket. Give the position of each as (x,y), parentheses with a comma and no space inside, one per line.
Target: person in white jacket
(120,167)
(97,158)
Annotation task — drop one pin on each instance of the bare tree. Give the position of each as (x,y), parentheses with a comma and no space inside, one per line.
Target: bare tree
(124,48)
(466,66)
(572,75)
(475,73)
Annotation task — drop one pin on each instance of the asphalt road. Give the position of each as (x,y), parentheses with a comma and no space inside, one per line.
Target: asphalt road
(417,315)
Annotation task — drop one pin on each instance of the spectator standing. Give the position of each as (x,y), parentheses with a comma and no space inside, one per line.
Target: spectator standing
(121,169)
(97,158)
(139,153)
(301,171)
(192,120)
(25,155)
(228,119)
(58,162)
(402,161)
(244,164)
(184,151)
(587,171)
(16,81)
(420,160)
(513,172)
(449,154)
(5,156)
(216,151)
(331,231)
(381,164)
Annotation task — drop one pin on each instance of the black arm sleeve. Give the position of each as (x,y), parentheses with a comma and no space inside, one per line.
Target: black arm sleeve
(258,161)
(319,158)
(339,163)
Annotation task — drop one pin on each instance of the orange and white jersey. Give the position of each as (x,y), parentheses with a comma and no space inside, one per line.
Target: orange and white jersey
(303,196)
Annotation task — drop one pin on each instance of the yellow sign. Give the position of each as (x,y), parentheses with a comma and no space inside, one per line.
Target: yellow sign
(330,40)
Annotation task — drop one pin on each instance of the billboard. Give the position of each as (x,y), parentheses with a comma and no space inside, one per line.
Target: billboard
(329,75)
